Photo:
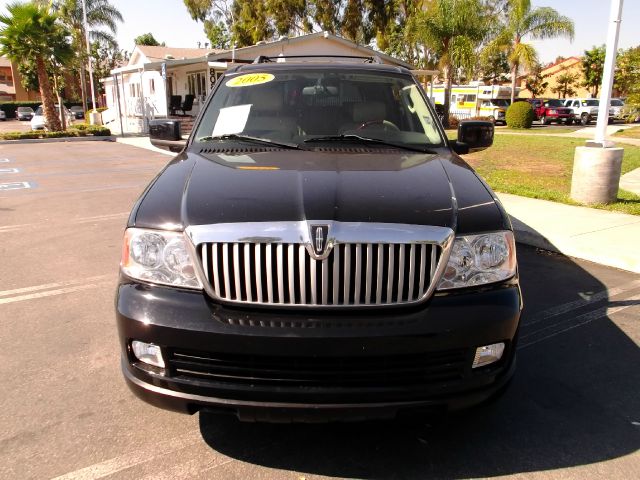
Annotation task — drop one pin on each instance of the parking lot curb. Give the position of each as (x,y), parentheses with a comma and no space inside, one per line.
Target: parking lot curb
(110,138)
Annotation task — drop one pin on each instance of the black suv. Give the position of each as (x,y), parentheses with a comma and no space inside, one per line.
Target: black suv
(318,250)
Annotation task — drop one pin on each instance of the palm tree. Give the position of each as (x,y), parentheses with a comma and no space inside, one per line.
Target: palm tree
(102,20)
(452,31)
(522,21)
(31,34)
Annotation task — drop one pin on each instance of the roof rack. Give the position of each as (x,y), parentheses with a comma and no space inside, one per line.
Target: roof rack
(267,59)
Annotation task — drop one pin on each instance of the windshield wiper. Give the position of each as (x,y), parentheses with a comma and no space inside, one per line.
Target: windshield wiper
(249,138)
(357,138)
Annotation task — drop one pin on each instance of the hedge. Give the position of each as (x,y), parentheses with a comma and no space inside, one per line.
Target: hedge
(98,109)
(10,107)
(519,115)
(95,130)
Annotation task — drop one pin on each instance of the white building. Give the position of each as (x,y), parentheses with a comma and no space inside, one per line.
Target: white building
(142,89)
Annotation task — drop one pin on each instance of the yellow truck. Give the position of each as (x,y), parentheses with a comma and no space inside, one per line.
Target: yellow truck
(469,101)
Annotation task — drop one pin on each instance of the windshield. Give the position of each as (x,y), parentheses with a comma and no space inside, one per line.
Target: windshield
(296,105)
(554,103)
(617,103)
(590,103)
(25,109)
(501,102)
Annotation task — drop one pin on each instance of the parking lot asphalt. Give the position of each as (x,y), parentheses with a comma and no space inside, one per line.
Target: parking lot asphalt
(572,410)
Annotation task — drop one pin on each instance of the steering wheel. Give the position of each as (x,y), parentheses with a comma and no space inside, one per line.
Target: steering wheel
(386,125)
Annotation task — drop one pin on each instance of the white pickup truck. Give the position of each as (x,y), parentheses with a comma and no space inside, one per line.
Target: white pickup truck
(585,110)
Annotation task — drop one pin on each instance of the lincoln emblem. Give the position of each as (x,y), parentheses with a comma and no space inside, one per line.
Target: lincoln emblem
(319,238)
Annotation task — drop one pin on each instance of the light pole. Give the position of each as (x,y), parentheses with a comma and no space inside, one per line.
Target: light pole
(597,166)
(94,117)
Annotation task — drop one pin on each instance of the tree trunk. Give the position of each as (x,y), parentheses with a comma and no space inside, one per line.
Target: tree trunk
(514,75)
(83,88)
(447,94)
(46,92)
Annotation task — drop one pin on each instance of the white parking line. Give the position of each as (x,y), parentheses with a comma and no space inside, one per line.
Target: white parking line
(578,321)
(131,459)
(9,170)
(97,218)
(48,293)
(47,286)
(15,186)
(4,160)
(575,304)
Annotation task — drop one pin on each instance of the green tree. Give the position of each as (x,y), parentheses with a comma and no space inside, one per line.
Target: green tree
(536,83)
(105,57)
(147,39)
(30,33)
(325,14)
(352,22)
(593,66)
(102,20)
(288,16)
(452,30)
(217,33)
(520,21)
(564,85)
(493,66)
(251,23)
(627,75)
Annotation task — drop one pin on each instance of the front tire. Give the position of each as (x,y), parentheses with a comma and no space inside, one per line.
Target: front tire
(584,119)
(545,121)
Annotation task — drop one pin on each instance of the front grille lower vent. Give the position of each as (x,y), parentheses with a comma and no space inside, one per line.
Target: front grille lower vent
(352,274)
(326,372)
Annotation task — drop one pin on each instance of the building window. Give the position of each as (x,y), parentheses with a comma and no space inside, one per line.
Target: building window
(152,86)
(197,84)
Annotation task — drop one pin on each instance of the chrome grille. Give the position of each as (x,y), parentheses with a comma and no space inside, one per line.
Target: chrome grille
(287,274)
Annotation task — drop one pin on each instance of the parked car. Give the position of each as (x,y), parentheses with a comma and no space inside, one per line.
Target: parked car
(24,113)
(554,111)
(585,109)
(38,121)
(318,250)
(77,112)
(617,109)
(3,115)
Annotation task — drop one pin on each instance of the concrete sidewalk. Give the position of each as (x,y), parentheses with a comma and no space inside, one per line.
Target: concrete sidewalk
(600,236)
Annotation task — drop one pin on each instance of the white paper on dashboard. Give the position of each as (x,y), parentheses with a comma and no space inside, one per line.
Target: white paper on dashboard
(231,120)
(237,158)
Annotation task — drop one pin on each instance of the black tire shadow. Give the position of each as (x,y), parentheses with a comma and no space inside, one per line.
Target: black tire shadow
(571,403)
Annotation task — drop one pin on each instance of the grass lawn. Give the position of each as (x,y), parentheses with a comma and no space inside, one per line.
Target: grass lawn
(629,133)
(541,167)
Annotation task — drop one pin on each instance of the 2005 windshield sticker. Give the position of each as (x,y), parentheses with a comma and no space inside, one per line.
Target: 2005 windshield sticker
(250,79)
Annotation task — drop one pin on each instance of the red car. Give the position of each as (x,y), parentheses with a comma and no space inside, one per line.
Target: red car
(553,110)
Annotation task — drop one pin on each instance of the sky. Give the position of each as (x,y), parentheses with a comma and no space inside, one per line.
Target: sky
(169,22)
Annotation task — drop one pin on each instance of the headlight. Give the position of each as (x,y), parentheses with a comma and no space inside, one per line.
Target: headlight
(158,257)
(553,112)
(480,259)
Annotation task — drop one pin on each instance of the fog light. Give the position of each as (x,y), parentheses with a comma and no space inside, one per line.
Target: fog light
(488,354)
(148,353)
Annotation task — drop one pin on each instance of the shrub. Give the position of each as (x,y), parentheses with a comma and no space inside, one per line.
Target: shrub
(98,131)
(62,134)
(520,115)
(453,122)
(79,126)
(21,135)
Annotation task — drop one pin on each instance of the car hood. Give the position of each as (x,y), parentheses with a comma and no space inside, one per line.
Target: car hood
(355,185)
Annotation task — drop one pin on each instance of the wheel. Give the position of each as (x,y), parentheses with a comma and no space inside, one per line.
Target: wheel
(569,121)
(545,121)
(385,124)
(584,119)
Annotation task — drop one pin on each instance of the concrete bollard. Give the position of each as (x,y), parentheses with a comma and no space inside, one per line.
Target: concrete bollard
(596,174)
(95,118)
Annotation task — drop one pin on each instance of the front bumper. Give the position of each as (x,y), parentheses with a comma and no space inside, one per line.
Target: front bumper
(283,365)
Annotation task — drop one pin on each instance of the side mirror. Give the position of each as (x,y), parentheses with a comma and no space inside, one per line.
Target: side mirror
(473,136)
(166,134)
